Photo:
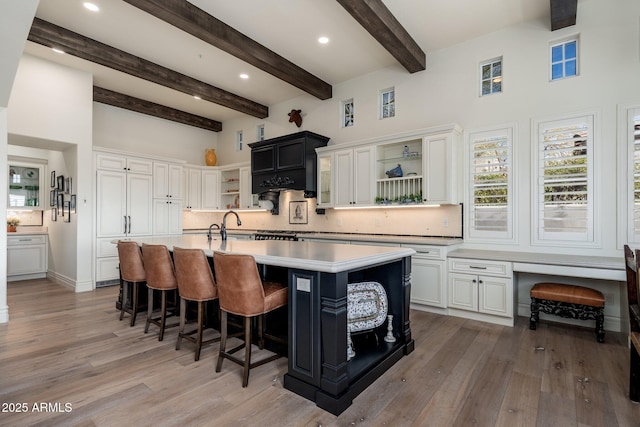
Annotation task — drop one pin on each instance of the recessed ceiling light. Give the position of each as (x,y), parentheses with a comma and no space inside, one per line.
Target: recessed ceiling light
(196,97)
(323,40)
(92,7)
(57,50)
(244,76)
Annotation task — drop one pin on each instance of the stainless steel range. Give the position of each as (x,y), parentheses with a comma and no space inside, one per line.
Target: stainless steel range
(276,235)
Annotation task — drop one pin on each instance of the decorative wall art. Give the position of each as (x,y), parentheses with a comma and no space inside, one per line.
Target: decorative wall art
(53,179)
(53,194)
(67,185)
(298,212)
(66,212)
(54,214)
(72,204)
(60,180)
(60,203)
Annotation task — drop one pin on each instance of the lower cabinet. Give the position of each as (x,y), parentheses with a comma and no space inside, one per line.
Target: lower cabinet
(26,257)
(428,272)
(480,286)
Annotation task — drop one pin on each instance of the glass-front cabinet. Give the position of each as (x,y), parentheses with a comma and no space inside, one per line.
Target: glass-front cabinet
(325,197)
(399,172)
(26,183)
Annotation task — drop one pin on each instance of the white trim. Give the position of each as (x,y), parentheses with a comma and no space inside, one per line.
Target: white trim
(4,314)
(625,176)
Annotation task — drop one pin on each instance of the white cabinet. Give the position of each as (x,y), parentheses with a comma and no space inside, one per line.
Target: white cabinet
(428,273)
(167,216)
(124,205)
(481,286)
(167,181)
(192,188)
(353,183)
(26,184)
(325,180)
(211,189)
(26,256)
(248,200)
(440,181)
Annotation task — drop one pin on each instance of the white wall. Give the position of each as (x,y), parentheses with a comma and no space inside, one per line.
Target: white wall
(50,102)
(125,130)
(4,185)
(447,92)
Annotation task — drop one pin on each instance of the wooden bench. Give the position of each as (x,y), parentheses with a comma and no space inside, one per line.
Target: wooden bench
(569,301)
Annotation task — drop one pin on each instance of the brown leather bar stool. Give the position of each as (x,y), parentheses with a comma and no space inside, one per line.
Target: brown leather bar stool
(131,273)
(242,292)
(195,283)
(160,277)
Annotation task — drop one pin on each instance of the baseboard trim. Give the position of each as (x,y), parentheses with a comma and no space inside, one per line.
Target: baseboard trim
(70,283)
(4,314)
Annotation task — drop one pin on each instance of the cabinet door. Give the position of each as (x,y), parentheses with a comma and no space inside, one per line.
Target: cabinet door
(139,203)
(26,259)
(175,181)
(160,180)
(344,178)
(111,203)
(139,166)
(427,282)
(246,197)
(160,216)
(210,190)
(193,188)
(495,296)
(463,291)
(363,177)
(175,217)
(439,183)
(111,162)
(325,180)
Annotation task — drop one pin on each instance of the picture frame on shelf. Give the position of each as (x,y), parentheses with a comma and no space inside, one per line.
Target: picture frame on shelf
(53,179)
(60,181)
(298,212)
(72,204)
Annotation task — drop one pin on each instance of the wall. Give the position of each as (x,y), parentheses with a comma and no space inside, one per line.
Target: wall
(447,92)
(53,105)
(4,185)
(125,130)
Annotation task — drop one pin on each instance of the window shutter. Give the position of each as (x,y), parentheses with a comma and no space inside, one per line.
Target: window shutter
(490,175)
(565,180)
(634,143)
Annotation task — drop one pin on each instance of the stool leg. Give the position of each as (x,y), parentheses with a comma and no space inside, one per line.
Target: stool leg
(247,351)
(533,320)
(199,332)
(183,315)
(134,304)
(163,315)
(149,309)
(261,324)
(600,325)
(125,290)
(223,339)
(634,375)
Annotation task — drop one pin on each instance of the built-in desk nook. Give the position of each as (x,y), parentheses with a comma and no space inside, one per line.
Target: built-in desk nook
(318,275)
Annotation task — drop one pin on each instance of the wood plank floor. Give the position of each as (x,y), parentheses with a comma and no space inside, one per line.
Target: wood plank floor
(70,350)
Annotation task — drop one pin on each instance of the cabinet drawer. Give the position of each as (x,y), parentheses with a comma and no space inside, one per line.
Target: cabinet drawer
(429,252)
(104,248)
(26,240)
(474,266)
(107,269)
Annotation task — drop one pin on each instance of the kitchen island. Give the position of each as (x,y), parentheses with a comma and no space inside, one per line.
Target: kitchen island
(318,275)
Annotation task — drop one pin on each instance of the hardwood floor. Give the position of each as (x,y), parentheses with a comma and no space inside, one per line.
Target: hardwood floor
(70,349)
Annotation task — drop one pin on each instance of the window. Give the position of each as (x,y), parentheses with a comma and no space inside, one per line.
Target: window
(631,134)
(564,194)
(564,59)
(260,133)
(490,177)
(491,77)
(347,113)
(387,103)
(239,138)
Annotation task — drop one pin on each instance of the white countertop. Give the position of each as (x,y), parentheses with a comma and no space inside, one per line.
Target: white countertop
(313,256)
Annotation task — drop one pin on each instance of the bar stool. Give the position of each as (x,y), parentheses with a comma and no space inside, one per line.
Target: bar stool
(242,292)
(195,283)
(160,277)
(131,273)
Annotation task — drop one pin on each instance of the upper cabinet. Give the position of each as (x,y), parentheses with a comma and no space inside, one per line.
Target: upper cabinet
(167,180)
(26,183)
(417,168)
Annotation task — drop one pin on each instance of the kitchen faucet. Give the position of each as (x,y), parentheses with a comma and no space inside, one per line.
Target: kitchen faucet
(210,227)
(223,229)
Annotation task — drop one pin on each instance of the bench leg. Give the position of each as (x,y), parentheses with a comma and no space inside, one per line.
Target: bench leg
(533,320)
(600,325)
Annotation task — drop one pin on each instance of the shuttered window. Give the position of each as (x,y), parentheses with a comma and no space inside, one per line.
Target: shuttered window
(490,197)
(564,206)
(632,136)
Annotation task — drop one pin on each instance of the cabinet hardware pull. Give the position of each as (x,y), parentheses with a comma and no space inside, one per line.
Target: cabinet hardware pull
(480,281)
(129,224)
(473,281)
(478,267)
(24,240)
(125,224)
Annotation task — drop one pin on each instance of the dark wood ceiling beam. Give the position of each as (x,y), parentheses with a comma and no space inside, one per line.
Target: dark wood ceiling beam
(374,16)
(120,100)
(48,34)
(563,13)
(200,24)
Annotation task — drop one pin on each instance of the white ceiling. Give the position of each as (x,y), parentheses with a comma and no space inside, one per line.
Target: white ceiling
(288,27)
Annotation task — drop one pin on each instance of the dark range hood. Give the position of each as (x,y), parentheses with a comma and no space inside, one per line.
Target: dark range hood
(286,163)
